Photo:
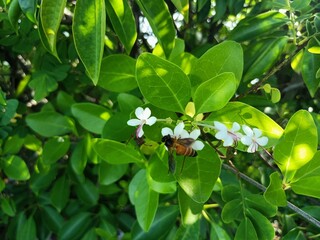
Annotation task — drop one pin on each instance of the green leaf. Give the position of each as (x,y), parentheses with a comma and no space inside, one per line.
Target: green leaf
(49,123)
(295,234)
(110,173)
(116,128)
(60,192)
(123,22)
(117,73)
(15,168)
(43,84)
(246,230)
(245,114)
(51,218)
(189,209)
(309,68)
(54,149)
(159,17)
(305,180)
(224,57)
(260,56)
(165,218)
(88,192)
(27,230)
(298,144)
(162,83)
(42,180)
(232,210)
(8,112)
(275,193)
(157,174)
(91,116)
(8,206)
(29,9)
(145,200)
(64,102)
(218,232)
(13,144)
(88,29)
(215,93)
(14,13)
(190,231)
(115,152)
(51,13)
(199,174)
(183,7)
(76,226)
(79,157)
(262,225)
(259,203)
(128,102)
(252,27)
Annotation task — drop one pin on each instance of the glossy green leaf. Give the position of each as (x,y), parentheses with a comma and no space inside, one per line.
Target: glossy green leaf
(199,174)
(51,13)
(145,200)
(157,174)
(224,57)
(275,193)
(295,234)
(117,73)
(14,13)
(110,173)
(185,61)
(298,144)
(246,230)
(128,102)
(245,114)
(42,180)
(309,68)
(29,9)
(60,192)
(8,112)
(191,231)
(165,218)
(43,83)
(88,29)
(123,22)
(232,210)
(13,144)
(218,232)
(162,83)
(252,27)
(262,225)
(88,192)
(190,210)
(159,17)
(76,226)
(28,230)
(91,116)
(215,93)
(54,149)
(115,152)
(116,128)
(261,56)
(15,168)
(8,206)
(306,178)
(79,157)
(52,219)
(259,203)
(49,124)
(64,102)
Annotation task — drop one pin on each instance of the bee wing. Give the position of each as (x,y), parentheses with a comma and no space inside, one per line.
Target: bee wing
(187,142)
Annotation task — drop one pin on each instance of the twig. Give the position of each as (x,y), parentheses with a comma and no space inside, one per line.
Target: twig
(294,208)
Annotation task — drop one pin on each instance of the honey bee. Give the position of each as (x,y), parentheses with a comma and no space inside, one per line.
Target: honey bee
(180,146)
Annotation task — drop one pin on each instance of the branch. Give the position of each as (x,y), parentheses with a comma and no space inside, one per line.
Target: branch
(293,207)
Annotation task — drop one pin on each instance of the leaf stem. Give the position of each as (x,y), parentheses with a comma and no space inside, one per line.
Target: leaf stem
(293,207)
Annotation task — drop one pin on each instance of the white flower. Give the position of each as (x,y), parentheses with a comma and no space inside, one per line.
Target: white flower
(180,132)
(228,136)
(143,116)
(253,138)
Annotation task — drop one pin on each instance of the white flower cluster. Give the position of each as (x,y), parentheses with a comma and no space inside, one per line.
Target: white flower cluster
(252,136)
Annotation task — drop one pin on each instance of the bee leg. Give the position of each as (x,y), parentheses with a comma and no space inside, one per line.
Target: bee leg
(182,164)
(171,164)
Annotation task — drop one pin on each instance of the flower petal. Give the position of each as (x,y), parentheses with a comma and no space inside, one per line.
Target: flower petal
(228,141)
(221,135)
(257,132)
(252,148)
(247,130)
(166,131)
(220,126)
(134,122)
(195,133)
(246,140)
(146,113)
(178,129)
(198,145)
(150,121)
(235,127)
(140,131)
(262,141)
(183,134)
(138,112)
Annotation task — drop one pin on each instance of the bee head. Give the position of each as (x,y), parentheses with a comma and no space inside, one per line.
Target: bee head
(168,140)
